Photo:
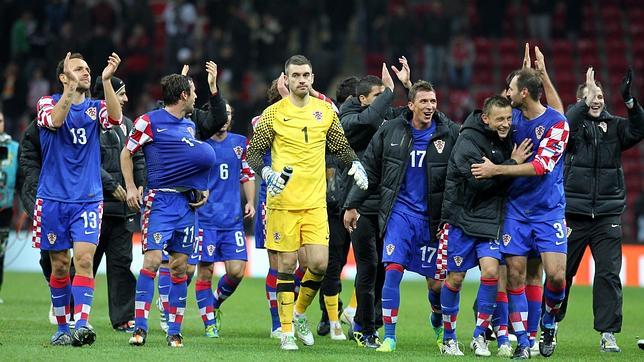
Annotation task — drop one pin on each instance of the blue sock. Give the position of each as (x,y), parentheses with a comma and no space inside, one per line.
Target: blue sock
(450,300)
(518,308)
(203,293)
(177,304)
(553,297)
(500,318)
(143,298)
(534,294)
(61,293)
(83,292)
(391,298)
(225,288)
(486,299)
(435,302)
(271,296)
(164,288)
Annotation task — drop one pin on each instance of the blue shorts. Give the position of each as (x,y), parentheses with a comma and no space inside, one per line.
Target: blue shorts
(58,225)
(464,251)
(167,223)
(260,221)
(526,238)
(223,245)
(407,242)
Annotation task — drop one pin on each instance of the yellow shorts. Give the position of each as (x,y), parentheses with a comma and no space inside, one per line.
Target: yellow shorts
(287,230)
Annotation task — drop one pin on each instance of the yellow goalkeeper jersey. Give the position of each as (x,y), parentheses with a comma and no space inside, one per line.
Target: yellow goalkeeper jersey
(298,137)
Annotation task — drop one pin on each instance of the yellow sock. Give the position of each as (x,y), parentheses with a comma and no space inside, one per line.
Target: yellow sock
(353,303)
(308,289)
(331,305)
(285,297)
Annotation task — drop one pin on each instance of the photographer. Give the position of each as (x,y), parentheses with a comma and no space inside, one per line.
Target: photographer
(8,169)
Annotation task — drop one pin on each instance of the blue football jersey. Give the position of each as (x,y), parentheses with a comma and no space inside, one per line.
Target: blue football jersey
(412,196)
(223,209)
(71,154)
(540,198)
(174,158)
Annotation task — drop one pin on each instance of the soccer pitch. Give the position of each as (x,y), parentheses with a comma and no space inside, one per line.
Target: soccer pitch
(25,330)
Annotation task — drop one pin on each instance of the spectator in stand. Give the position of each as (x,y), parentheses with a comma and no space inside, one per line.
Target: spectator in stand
(437,31)
(460,61)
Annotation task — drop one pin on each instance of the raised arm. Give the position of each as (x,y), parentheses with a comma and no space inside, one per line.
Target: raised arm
(552,97)
(114,112)
(52,114)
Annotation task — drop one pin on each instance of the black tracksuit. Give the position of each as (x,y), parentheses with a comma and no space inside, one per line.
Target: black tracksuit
(476,205)
(595,200)
(360,123)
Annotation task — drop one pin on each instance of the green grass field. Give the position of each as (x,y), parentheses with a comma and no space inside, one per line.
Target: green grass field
(25,330)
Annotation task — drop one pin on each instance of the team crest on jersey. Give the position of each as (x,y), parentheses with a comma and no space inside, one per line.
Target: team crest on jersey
(603,126)
(191,131)
(211,250)
(238,151)
(458,260)
(157,237)
(317,115)
(440,145)
(276,236)
(539,131)
(91,112)
(390,249)
(52,238)
(506,239)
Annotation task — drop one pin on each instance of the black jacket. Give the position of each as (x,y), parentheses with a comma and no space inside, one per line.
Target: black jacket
(210,119)
(594,178)
(360,123)
(476,205)
(29,168)
(112,142)
(386,160)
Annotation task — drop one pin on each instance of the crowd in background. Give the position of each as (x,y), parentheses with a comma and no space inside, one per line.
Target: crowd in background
(250,39)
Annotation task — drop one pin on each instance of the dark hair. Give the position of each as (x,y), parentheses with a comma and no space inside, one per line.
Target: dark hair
(172,86)
(273,94)
(531,80)
(366,84)
(509,78)
(346,88)
(421,85)
(296,60)
(582,86)
(61,64)
(495,101)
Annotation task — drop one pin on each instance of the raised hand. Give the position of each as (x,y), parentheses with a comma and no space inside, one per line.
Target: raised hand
(404,73)
(211,69)
(540,62)
(72,78)
(625,88)
(282,88)
(592,87)
(526,56)
(386,78)
(112,64)
(522,152)
(185,69)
